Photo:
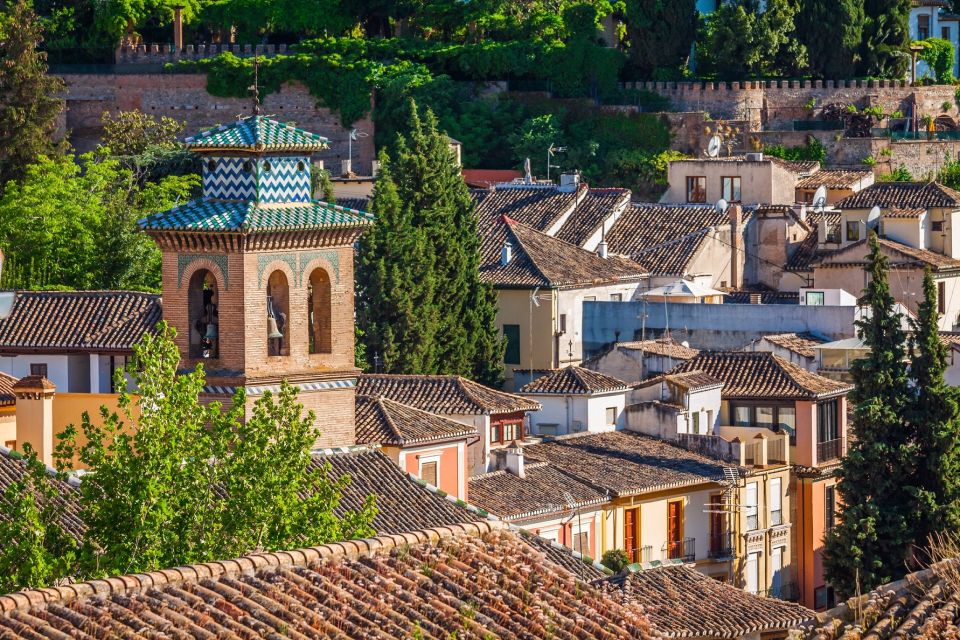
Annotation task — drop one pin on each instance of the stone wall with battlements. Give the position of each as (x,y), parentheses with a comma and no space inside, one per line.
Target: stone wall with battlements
(185,98)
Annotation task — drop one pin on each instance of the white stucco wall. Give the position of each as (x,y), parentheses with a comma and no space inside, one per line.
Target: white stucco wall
(576,413)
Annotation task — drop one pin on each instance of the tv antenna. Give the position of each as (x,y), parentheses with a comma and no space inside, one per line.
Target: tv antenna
(255,87)
(355,134)
(713,147)
(552,150)
(820,199)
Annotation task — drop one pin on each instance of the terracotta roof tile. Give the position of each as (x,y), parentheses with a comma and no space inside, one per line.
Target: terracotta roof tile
(537,206)
(403,504)
(808,251)
(6,390)
(444,395)
(921,605)
(540,260)
(579,565)
(900,256)
(79,320)
(902,194)
(661,347)
(12,471)
(747,375)
(682,602)
(596,206)
(834,179)
(573,380)
(461,582)
(626,463)
(544,490)
(906,213)
(387,422)
(800,343)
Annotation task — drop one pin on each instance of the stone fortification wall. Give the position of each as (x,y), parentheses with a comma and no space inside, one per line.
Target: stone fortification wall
(185,98)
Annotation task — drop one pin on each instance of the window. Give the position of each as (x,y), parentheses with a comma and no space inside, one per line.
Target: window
(823,598)
(833,233)
(496,433)
(611,416)
(581,542)
(936,225)
(278,315)
(814,298)
(776,504)
(730,189)
(512,333)
(695,421)
(709,420)
(211,165)
(764,417)
(11,444)
(505,432)
(202,301)
(38,369)
(616,297)
(787,421)
(753,573)
(741,416)
(319,304)
(829,507)
(923,27)
(563,323)
(300,166)
(945,33)
(696,189)
(776,571)
(428,472)
(547,429)
(941,297)
(589,298)
(853,230)
(267,167)
(247,166)
(752,507)
(828,429)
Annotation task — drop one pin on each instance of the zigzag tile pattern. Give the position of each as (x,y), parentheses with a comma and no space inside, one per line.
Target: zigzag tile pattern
(285,181)
(227,179)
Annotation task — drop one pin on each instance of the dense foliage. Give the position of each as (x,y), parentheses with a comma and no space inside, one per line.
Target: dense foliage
(938,54)
(420,301)
(813,150)
(173,481)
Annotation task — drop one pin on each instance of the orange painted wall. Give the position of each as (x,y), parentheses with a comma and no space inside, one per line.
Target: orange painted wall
(805,451)
(449,477)
(810,529)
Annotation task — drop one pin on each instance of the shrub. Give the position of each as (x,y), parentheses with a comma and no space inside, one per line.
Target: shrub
(615,560)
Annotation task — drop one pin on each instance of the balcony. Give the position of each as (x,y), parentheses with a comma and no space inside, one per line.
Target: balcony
(640,555)
(679,550)
(721,545)
(830,450)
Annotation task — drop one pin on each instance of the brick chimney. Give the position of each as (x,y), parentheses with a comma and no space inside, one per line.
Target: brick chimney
(34,396)
(735,213)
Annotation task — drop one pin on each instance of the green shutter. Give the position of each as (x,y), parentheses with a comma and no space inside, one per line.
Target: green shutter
(512,333)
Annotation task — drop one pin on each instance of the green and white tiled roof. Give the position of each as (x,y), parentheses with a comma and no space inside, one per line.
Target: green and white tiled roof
(257,133)
(206,215)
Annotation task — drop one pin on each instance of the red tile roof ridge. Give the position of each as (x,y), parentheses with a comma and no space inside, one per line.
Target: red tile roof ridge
(29,598)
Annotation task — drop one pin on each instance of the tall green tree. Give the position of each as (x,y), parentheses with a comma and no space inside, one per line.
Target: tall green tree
(877,484)
(660,34)
(886,36)
(173,481)
(832,31)
(444,321)
(935,416)
(30,103)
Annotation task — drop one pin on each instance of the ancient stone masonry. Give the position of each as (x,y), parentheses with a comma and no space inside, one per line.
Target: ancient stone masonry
(185,98)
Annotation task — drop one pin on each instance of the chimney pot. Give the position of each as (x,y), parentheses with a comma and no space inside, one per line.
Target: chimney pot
(514,456)
(602,249)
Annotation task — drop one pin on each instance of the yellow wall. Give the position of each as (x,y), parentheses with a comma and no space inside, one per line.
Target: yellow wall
(514,308)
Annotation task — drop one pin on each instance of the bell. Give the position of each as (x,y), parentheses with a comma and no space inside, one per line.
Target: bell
(212,332)
(272,330)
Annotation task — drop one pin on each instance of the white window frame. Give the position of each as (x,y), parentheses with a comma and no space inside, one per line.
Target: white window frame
(751,502)
(427,460)
(776,496)
(752,573)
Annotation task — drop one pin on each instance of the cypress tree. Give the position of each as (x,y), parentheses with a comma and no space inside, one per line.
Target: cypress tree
(456,309)
(876,486)
(29,107)
(832,31)
(886,34)
(936,422)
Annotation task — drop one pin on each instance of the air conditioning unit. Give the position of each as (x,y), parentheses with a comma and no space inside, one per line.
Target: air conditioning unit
(754,157)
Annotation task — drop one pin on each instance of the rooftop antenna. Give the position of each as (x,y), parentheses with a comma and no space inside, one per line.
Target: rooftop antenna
(820,198)
(552,150)
(255,87)
(713,147)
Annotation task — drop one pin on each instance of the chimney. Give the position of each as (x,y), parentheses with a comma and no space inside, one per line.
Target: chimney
(346,167)
(602,249)
(506,253)
(514,461)
(34,396)
(569,182)
(177,28)
(735,212)
(375,168)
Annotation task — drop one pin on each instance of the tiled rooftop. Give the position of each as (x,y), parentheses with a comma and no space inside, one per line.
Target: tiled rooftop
(755,375)
(537,206)
(445,395)
(906,213)
(801,344)
(246,216)
(544,490)
(387,422)
(6,390)
(466,581)
(900,255)
(79,320)
(626,463)
(257,133)
(682,602)
(12,471)
(660,347)
(573,380)
(694,380)
(808,251)
(595,207)
(902,194)
(540,260)
(923,605)
(403,504)
(796,166)
(581,566)
(834,179)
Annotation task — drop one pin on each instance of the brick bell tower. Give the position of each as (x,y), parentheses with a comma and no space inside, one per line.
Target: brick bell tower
(258,276)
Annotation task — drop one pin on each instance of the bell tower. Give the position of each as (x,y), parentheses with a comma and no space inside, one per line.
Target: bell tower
(258,276)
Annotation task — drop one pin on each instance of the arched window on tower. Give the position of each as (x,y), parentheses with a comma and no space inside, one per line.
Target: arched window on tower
(318,300)
(278,311)
(202,300)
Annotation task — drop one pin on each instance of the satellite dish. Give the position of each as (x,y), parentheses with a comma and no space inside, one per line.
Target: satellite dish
(721,206)
(713,148)
(820,198)
(873,218)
